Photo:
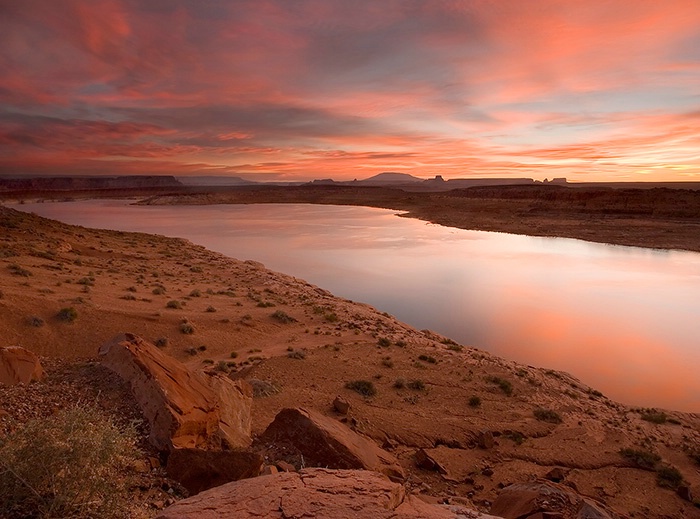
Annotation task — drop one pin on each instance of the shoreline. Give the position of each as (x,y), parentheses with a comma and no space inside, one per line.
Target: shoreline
(432,394)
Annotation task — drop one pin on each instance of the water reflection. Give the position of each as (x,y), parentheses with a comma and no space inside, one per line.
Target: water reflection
(624,320)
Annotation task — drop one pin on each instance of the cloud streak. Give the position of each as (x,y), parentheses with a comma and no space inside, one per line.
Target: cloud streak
(604,90)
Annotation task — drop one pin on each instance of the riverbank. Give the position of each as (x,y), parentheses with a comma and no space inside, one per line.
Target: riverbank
(482,417)
(657,218)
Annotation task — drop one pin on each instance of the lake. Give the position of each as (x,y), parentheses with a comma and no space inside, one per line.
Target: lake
(624,320)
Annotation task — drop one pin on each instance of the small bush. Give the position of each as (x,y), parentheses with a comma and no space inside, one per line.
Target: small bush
(210,309)
(158,291)
(262,389)
(162,342)
(86,281)
(455,347)
(364,387)
(427,358)
(191,351)
(387,363)
(669,477)
(265,304)
(177,305)
(234,354)
(504,384)
(195,293)
(71,464)
(416,385)
(642,459)
(35,321)
(128,297)
(19,271)
(547,415)
(296,354)
(186,328)
(399,383)
(68,314)
(655,417)
(131,289)
(222,366)
(283,317)
(474,401)
(383,342)
(331,317)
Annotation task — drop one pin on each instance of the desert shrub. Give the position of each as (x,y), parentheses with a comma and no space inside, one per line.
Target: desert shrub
(416,385)
(387,363)
(68,314)
(262,388)
(131,289)
(331,317)
(504,384)
(642,459)
(296,354)
(474,401)
(455,347)
(208,361)
(86,281)
(128,297)
(210,309)
(222,366)
(161,342)
(516,436)
(265,304)
(195,293)
(19,271)
(669,477)
(187,328)
(177,305)
(427,358)
(695,456)
(191,351)
(158,291)
(363,387)
(196,269)
(283,317)
(547,415)
(35,321)
(71,464)
(401,343)
(399,383)
(383,342)
(655,417)
(234,354)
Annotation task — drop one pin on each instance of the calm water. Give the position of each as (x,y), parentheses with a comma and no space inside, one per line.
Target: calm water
(624,320)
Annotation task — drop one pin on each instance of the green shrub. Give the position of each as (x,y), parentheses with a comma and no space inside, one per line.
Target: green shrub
(68,314)
(504,384)
(71,464)
(187,328)
(383,342)
(427,358)
(642,459)
(363,387)
(234,354)
(162,342)
(283,317)
(547,415)
(474,401)
(655,417)
(416,385)
(669,477)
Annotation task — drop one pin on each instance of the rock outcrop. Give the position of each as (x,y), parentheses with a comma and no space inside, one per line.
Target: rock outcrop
(325,442)
(185,409)
(19,366)
(546,499)
(314,494)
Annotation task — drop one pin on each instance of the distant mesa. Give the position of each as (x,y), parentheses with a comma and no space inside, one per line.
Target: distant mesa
(214,181)
(389,177)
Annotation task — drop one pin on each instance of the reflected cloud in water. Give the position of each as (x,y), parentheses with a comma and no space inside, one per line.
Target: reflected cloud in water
(623,320)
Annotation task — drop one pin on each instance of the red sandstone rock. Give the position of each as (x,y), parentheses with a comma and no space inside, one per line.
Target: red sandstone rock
(325,442)
(19,366)
(313,494)
(185,409)
(544,499)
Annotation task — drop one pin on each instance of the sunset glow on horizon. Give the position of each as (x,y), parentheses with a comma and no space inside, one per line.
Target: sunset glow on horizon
(604,90)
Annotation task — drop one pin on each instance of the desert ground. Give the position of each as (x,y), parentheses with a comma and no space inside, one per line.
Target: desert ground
(486,421)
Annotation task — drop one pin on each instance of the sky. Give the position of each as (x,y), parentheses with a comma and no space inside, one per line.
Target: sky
(287,90)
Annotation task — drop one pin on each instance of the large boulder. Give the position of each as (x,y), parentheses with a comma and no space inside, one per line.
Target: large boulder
(185,409)
(546,499)
(313,494)
(199,470)
(19,366)
(325,442)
